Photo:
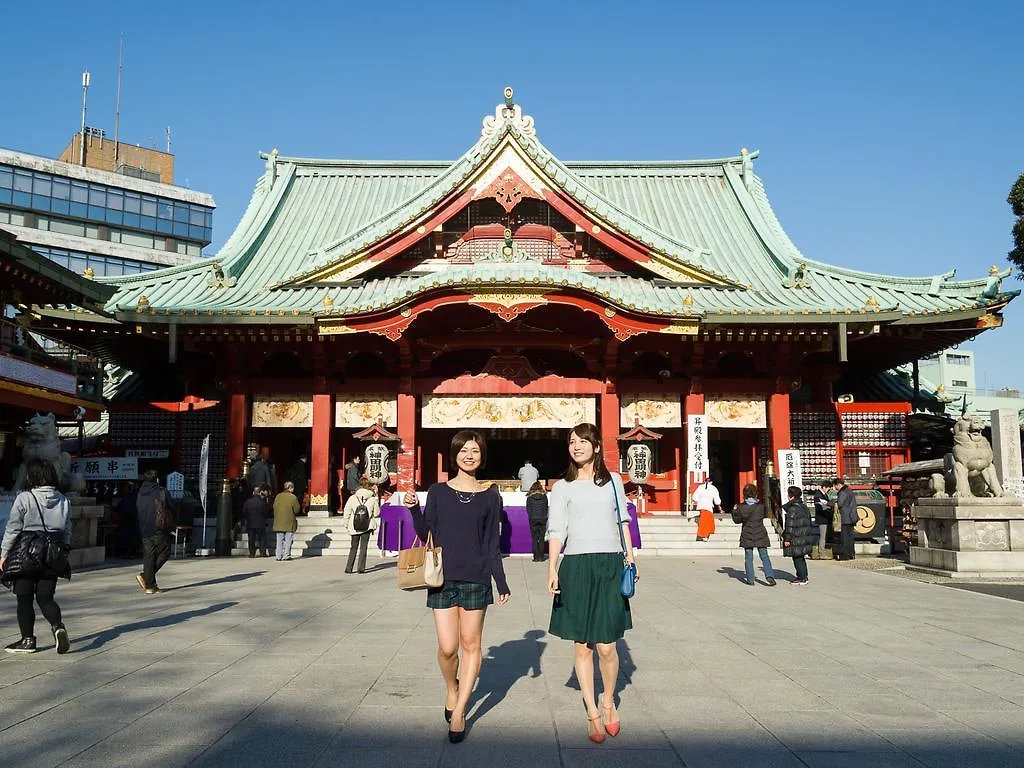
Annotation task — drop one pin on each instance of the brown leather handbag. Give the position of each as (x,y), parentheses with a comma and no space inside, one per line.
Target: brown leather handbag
(420,566)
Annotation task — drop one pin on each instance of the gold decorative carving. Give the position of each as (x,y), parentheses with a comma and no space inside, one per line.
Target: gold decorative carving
(683,327)
(318,500)
(333,328)
(743,411)
(651,410)
(440,412)
(990,320)
(360,410)
(282,411)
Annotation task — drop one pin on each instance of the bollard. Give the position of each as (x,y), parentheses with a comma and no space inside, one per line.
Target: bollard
(225,531)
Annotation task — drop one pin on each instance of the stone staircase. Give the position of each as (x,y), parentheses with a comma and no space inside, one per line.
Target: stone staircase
(315,537)
(662,535)
(674,535)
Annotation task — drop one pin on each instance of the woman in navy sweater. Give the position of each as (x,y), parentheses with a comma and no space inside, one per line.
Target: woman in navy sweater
(463,515)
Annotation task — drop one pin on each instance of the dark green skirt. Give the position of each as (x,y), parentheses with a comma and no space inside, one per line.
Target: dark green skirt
(468,595)
(590,608)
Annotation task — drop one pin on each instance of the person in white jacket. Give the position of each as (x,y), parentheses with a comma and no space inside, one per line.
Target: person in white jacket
(364,500)
(41,508)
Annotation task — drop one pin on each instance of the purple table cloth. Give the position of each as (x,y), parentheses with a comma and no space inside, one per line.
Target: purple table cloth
(515,529)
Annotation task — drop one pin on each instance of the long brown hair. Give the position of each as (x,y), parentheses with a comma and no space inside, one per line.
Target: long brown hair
(588,432)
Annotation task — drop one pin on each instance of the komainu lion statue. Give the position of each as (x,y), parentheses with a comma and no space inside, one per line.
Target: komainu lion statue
(969,468)
(41,441)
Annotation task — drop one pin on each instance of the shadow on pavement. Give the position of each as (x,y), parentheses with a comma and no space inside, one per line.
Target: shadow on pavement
(100,638)
(505,664)
(222,580)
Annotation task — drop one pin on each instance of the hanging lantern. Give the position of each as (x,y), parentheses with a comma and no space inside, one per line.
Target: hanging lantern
(376,455)
(638,462)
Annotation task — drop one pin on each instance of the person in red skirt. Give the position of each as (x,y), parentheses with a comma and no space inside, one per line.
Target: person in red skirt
(707,501)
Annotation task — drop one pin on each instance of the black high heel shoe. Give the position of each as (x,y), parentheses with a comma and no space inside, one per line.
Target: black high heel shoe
(454,737)
(448,712)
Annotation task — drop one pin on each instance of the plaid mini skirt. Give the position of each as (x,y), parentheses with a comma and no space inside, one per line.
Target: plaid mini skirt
(468,595)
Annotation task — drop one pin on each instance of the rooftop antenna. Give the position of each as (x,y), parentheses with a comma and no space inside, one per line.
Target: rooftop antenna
(168,133)
(117,106)
(85,94)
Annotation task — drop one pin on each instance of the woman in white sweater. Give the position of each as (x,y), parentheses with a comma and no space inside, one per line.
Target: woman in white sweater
(586,512)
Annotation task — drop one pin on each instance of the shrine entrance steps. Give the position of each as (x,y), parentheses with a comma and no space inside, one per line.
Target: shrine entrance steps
(674,535)
(661,535)
(315,537)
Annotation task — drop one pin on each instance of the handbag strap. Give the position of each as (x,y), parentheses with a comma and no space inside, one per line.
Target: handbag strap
(39,511)
(618,516)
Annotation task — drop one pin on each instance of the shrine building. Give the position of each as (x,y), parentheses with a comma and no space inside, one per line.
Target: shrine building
(520,294)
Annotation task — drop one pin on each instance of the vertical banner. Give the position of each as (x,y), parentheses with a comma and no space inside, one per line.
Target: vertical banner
(789,470)
(204,470)
(697,467)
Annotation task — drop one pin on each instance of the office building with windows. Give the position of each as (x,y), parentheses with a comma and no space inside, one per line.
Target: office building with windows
(100,222)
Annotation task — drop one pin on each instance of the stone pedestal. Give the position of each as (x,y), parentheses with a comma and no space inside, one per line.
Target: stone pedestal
(969,538)
(85,516)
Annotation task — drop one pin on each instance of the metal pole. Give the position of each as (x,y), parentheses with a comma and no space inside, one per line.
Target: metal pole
(117,106)
(85,94)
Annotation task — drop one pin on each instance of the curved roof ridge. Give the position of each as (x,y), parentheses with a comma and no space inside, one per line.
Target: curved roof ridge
(330,162)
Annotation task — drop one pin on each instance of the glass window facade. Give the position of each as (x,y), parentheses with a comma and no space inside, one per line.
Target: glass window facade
(45,193)
(77,262)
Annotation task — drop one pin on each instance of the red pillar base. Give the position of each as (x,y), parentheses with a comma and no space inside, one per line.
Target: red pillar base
(319,460)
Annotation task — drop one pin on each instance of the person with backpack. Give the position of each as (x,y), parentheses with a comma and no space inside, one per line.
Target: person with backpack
(797,533)
(41,508)
(362,515)
(286,508)
(155,524)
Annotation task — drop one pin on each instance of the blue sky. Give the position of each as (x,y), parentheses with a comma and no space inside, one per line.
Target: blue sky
(890,132)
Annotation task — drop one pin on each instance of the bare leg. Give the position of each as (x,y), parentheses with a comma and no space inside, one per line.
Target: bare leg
(446,621)
(608,661)
(584,663)
(471,629)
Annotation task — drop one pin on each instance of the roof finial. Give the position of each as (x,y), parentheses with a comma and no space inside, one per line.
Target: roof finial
(508,116)
(746,167)
(271,172)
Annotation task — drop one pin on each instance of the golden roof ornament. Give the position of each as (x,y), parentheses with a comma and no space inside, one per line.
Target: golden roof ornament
(143,304)
(89,272)
(688,300)
(872,302)
(328,302)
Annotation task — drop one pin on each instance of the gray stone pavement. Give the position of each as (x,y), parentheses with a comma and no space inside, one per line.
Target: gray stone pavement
(254,662)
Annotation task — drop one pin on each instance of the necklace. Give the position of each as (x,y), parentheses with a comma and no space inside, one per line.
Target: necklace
(464,497)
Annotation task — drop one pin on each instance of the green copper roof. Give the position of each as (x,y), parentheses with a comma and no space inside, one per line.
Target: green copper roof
(712,216)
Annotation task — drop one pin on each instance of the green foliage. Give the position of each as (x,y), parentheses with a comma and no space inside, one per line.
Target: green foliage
(1016,201)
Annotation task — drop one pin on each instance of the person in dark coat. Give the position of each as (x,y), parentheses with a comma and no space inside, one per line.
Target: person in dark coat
(537,513)
(822,517)
(156,544)
(848,517)
(353,472)
(751,514)
(298,474)
(255,512)
(797,533)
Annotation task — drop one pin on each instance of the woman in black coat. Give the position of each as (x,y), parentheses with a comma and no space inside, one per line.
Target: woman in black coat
(798,533)
(750,514)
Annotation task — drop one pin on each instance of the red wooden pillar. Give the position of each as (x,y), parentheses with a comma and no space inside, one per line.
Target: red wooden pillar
(320,455)
(610,429)
(238,419)
(746,447)
(408,476)
(778,426)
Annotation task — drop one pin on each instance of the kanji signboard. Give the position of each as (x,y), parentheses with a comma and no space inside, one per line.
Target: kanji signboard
(106,468)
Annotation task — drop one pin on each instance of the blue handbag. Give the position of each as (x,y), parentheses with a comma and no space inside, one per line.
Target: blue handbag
(628,585)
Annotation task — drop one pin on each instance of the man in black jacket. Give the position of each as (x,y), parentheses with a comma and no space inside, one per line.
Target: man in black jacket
(156,544)
(822,517)
(848,516)
(255,512)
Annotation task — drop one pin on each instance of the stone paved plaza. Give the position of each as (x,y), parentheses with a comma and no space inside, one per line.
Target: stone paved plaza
(254,662)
